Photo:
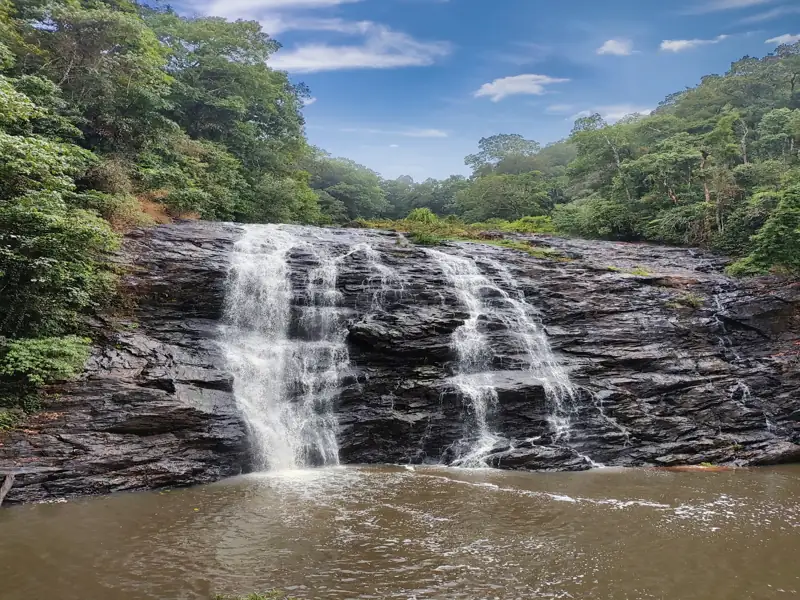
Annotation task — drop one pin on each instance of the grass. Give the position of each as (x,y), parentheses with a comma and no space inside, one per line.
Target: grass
(688,300)
(535,251)
(426,229)
(639,271)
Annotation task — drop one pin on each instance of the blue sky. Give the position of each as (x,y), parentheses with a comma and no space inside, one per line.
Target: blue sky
(410,86)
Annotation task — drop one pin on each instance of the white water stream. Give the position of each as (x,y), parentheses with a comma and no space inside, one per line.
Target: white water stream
(285,342)
(474,370)
(285,384)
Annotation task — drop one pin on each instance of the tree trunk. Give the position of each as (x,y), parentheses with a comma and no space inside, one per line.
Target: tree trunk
(746,132)
(706,191)
(619,168)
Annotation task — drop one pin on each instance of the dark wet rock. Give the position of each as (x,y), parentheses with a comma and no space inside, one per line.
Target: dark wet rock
(155,406)
(672,364)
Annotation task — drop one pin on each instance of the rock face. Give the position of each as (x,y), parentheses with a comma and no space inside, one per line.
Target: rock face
(668,361)
(154,407)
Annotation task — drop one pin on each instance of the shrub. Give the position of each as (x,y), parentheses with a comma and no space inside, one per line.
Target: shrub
(776,243)
(422,215)
(37,361)
(688,300)
(9,418)
(597,218)
(425,238)
(122,211)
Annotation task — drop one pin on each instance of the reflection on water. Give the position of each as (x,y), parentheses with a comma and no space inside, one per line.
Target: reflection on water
(434,533)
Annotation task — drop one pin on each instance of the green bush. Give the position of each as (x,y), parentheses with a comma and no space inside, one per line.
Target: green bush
(422,215)
(777,243)
(425,238)
(597,218)
(38,361)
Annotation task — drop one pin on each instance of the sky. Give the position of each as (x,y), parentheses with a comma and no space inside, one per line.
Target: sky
(408,87)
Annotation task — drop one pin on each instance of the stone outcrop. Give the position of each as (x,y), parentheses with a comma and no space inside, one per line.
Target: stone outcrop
(154,407)
(671,363)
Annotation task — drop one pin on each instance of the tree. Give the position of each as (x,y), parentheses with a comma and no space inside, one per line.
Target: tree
(503,197)
(357,188)
(108,64)
(494,149)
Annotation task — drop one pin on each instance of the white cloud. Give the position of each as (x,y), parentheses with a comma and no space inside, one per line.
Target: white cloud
(613,112)
(309,101)
(520,84)
(786,38)
(681,45)
(277,23)
(382,49)
(253,8)
(394,145)
(413,132)
(719,5)
(616,48)
(771,14)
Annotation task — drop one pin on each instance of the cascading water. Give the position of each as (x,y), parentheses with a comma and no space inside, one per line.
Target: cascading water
(473,378)
(284,382)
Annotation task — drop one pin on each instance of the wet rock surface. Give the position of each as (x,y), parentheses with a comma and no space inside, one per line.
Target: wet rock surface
(671,363)
(154,407)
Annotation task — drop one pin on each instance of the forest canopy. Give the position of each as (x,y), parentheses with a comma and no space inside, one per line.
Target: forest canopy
(114,115)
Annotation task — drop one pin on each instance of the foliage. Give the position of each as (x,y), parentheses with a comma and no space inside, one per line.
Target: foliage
(713,166)
(777,244)
(503,197)
(422,215)
(535,251)
(687,300)
(107,108)
(425,238)
(351,190)
(540,224)
(44,360)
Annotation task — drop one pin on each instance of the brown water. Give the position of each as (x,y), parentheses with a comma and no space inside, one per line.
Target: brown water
(429,533)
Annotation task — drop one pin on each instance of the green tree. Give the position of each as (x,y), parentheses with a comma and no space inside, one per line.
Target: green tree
(503,197)
(496,148)
(356,188)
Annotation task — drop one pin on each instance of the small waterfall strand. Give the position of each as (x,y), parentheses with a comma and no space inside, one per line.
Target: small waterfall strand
(473,377)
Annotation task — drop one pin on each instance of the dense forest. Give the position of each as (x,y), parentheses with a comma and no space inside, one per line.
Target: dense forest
(115,115)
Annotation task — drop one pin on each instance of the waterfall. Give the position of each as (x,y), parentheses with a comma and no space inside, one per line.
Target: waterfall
(473,378)
(284,381)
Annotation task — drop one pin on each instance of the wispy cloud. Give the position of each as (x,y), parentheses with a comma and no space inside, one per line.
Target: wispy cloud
(786,38)
(240,8)
(769,15)
(412,132)
(681,45)
(619,47)
(529,84)
(382,48)
(379,47)
(560,109)
(720,5)
(309,101)
(279,23)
